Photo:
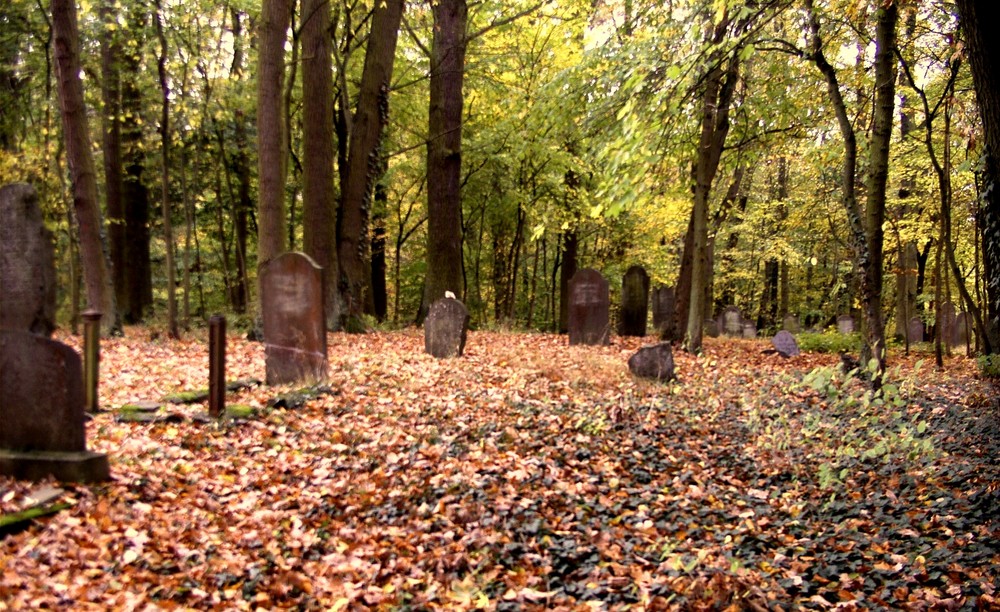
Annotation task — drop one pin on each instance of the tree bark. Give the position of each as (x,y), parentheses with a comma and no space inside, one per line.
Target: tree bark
(66,41)
(271,130)
(444,153)
(113,174)
(984,58)
(318,197)
(364,160)
(168,233)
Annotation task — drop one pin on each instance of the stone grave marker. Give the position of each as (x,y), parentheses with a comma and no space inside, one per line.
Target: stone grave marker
(446,328)
(845,324)
(291,288)
(749,329)
(664,306)
(635,302)
(27,265)
(791,323)
(711,328)
(963,329)
(947,323)
(784,342)
(589,305)
(42,420)
(915,330)
(731,321)
(656,361)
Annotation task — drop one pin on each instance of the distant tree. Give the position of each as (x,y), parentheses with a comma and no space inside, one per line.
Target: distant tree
(66,43)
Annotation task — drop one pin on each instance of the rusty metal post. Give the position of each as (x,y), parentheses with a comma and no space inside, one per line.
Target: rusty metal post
(216,366)
(91,358)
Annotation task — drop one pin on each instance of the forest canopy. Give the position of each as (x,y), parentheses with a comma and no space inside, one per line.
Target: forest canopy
(809,158)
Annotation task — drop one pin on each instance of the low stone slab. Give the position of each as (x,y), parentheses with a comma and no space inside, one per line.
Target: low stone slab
(446,328)
(82,466)
(784,342)
(656,361)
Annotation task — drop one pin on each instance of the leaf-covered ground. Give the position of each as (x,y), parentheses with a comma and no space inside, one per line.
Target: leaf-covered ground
(527,474)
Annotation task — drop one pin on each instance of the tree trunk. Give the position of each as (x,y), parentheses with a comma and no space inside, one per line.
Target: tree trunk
(168,233)
(66,43)
(271,130)
(444,153)
(318,197)
(111,117)
(984,57)
(570,247)
(364,157)
(380,296)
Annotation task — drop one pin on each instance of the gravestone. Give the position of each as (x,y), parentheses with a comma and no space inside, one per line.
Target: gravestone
(749,329)
(635,302)
(963,329)
(446,328)
(791,323)
(656,361)
(27,267)
(291,302)
(947,323)
(589,305)
(915,330)
(664,311)
(784,342)
(711,328)
(845,324)
(731,321)
(42,420)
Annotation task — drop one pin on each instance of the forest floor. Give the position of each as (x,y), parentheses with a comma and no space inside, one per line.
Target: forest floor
(526,474)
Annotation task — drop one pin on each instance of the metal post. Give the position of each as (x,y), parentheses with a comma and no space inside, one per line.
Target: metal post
(216,366)
(91,358)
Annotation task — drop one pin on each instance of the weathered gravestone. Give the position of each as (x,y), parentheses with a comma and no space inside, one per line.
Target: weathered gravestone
(589,305)
(915,330)
(791,323)
(749,329)
(446,328)
(947,323)
(731,321)
(664,306)
(656,361)
(845,324)
(711,328)
(784,342)
(291,302)
(963,329)
(42,420)
(635,302)
(26,263)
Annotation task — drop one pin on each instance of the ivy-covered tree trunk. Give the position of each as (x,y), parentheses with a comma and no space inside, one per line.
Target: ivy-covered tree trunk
(444,154)
(984,59)
(273,31)
(318,198)
(96,274)
(364,157)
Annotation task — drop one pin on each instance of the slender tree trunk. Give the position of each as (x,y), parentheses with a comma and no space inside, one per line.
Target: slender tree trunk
(364,158)
(379,294)
(113,175)
(568,256)
(318,197)
(444,153)
(168,233)
(271,130)
(94,260)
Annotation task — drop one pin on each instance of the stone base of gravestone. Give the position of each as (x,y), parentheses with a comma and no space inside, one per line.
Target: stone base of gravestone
(291,296)
(82,466)
(42,421)
(656,361)
(784,342)
(446,328)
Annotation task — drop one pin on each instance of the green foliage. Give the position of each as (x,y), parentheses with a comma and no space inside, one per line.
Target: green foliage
(989,365)
(829,341)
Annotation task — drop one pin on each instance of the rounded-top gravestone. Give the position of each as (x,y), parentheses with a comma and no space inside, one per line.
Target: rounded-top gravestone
(784,342)
(635,302)
(589,305)
(27,267)
(291,303)
(446,328)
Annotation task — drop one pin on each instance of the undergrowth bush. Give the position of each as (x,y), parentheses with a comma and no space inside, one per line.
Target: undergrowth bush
(989,366)
(830,341)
